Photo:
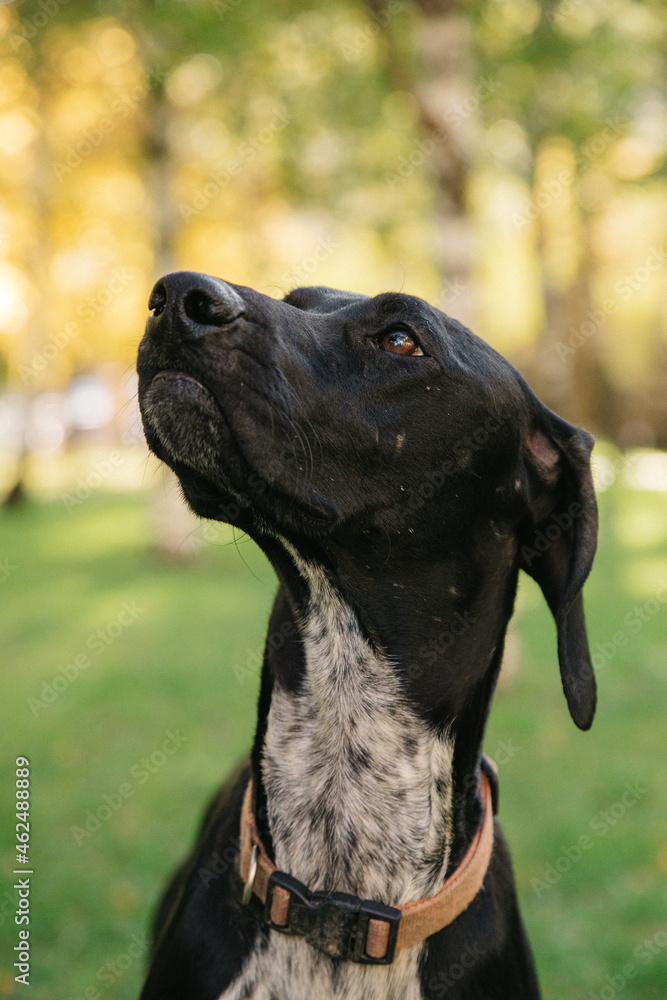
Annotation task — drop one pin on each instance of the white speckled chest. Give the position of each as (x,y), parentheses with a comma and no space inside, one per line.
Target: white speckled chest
(359,791)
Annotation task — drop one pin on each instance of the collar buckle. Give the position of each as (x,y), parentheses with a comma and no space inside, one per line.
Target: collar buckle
(338,924)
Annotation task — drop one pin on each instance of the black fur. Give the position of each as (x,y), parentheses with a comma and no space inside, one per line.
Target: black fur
(420,484)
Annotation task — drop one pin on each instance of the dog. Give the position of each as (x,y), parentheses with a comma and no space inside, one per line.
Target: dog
(398,473)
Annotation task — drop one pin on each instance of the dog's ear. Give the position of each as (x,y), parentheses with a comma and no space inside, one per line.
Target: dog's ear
(558,543)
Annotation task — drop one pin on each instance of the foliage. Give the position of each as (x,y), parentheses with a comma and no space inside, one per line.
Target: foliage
(277,146)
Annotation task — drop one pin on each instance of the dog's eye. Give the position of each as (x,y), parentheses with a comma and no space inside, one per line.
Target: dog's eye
(401,342)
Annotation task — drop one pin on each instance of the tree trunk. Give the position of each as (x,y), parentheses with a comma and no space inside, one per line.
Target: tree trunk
(176,524)
(448,106)
(448,101)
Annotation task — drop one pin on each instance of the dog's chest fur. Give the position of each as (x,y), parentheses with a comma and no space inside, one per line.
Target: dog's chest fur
(359,791)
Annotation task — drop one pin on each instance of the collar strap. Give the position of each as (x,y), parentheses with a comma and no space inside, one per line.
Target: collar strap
(344,926)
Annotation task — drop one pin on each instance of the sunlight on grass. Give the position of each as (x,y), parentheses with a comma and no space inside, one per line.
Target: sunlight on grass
(84,539)
(648,578)
(641,525)
(188,665)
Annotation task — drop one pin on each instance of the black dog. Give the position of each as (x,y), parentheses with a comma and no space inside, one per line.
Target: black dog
(398,473)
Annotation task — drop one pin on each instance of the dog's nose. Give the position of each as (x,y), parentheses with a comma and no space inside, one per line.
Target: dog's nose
(189,304)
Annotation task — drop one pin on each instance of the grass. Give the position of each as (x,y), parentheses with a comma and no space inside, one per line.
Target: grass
(170,649)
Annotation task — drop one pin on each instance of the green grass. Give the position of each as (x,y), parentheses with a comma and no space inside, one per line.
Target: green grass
(181,665)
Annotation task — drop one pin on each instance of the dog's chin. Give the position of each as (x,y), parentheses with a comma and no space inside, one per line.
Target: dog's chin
(186,428)
(185,425)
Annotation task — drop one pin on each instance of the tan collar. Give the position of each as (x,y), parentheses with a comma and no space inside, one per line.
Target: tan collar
(344,926)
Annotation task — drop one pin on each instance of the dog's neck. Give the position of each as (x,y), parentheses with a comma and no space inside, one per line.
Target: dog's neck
(358,787)
(361,787)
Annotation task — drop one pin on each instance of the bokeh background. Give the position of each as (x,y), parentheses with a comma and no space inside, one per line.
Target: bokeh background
(504,159)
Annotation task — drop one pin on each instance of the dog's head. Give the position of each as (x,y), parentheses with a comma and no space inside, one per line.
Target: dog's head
(378,426)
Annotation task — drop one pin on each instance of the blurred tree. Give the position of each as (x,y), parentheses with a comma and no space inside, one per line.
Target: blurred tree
(289,145)
(571,101)
(441,73)
(449,97)
(580,112)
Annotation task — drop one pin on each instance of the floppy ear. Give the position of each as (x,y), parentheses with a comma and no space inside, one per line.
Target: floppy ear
(558,543)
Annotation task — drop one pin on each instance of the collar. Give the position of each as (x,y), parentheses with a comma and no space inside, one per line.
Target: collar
(344,926)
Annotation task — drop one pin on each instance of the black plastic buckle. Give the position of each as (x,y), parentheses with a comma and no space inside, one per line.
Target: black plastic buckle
(335,923)
(369,909)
